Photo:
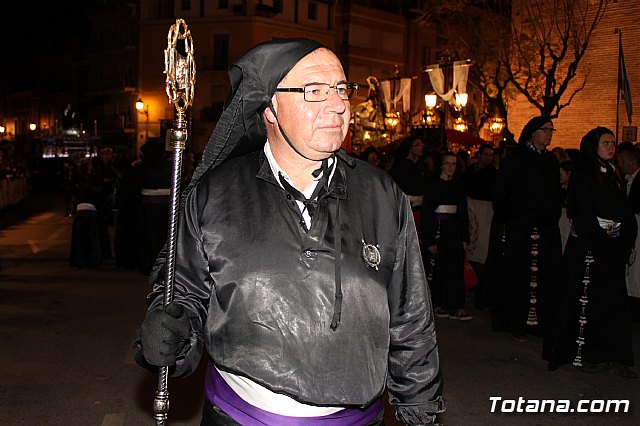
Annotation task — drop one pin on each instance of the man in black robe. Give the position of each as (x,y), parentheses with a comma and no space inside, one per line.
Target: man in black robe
(409,170)
(525,245)
(480,178)
(630,166)
(297,267)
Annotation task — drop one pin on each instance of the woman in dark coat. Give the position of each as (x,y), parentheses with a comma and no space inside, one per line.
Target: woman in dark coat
(592,324)
(445,233)
(525,246)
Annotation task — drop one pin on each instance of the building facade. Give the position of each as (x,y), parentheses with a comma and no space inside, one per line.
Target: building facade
(370,39)
(595,105)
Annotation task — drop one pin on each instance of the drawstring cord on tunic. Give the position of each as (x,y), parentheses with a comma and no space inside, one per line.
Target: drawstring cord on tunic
(337,307)
(310,204)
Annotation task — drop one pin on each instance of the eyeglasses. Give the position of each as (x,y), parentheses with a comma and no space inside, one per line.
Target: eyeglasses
(318,92)
(547,129)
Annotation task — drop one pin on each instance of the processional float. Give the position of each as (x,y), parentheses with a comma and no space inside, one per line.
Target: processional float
(180,70)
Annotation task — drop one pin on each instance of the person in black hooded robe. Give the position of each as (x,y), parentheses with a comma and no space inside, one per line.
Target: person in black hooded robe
(592,322)
(296,266)
(525,246)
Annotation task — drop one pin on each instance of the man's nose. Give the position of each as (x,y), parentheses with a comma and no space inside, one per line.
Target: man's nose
(335,102)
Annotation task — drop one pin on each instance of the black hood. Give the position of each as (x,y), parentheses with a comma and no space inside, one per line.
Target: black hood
(254,79)
(534,124)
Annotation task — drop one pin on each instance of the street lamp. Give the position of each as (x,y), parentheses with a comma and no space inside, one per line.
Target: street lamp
(430,100)
(496,125)
(392,120)
(461,100)
(429,117)
(141,107)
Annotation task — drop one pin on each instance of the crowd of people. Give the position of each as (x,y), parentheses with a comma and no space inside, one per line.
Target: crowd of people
(572,292)
(312,282)
(569,290)
(572,289)
(130,195)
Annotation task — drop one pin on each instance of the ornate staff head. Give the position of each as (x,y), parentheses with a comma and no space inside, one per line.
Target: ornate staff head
(180,66)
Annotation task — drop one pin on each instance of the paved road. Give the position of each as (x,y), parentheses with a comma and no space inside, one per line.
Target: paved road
(65,335)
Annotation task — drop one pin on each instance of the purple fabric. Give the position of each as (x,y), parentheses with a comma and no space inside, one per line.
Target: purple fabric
(156,199)
(445,216)
(219,393)
(86,214)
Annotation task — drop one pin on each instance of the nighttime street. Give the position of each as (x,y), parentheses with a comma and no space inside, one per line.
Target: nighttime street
(66,335)
(332,174)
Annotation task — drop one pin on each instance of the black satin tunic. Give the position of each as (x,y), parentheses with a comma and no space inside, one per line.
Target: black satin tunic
(261,289)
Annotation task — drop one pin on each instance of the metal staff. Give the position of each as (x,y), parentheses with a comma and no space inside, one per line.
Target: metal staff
(180,69)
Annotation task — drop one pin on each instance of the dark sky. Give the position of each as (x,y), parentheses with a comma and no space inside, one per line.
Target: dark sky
(37,36)
(41,28)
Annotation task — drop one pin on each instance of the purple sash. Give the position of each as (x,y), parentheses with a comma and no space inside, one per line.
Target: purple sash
(219,393)
(445,216)
(156,199)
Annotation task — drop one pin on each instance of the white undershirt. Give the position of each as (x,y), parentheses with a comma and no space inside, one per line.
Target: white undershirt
(250,391)
(275,168)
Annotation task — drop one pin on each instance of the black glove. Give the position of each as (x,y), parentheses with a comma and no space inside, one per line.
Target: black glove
(164,334)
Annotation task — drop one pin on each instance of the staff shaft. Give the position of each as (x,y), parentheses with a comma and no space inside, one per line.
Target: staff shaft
(180,81)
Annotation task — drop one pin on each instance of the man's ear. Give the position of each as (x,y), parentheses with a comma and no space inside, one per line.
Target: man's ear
(268,115)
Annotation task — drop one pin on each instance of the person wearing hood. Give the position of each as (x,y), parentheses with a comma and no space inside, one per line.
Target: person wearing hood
(297,267)
(525,246)
(592,325)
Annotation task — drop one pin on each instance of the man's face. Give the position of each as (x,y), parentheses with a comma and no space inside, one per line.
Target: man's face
(417,148)
(485,157)
(542,137)
(628,165)
(623,162)
(564,176)
(316,129)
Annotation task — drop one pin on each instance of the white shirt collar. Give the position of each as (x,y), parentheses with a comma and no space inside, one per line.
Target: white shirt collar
(276,169)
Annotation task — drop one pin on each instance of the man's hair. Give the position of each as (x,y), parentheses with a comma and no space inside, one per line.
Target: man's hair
(633,154)
(484,147)
(624,146)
